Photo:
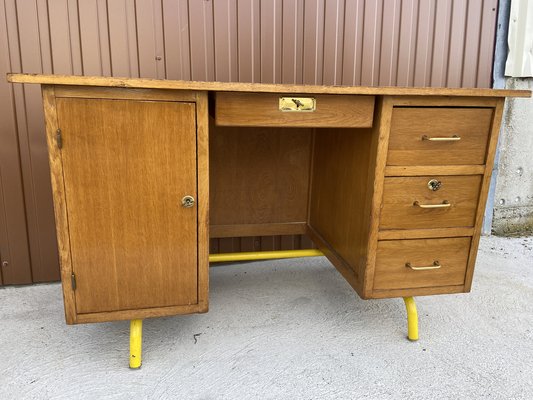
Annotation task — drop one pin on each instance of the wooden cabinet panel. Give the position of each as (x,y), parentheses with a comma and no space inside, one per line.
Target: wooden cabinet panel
(405,200)
(259,176)
(262,109)
(412,127)
(392,256)
(126,166)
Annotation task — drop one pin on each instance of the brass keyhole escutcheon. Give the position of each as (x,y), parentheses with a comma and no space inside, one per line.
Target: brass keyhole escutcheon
(434,185)
(187,201)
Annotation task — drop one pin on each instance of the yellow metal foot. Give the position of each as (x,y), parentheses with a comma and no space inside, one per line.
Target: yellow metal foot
(136,343)
(412,318)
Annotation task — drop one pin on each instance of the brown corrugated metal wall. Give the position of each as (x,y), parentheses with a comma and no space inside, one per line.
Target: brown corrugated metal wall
(338,42)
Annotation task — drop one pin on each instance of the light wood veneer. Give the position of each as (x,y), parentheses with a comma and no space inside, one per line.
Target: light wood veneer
(262,109)
(347,175)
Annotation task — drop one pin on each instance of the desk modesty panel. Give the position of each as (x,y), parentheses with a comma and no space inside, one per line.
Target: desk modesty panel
(389,183)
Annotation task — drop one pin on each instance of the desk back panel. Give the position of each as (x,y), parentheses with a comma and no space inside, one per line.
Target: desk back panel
(259,180)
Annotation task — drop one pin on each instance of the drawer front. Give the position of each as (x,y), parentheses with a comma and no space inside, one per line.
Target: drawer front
(425,202)
(439,136)
(263,109)
(401,264)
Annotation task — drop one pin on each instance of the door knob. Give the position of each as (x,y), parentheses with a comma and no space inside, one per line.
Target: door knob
(187,201)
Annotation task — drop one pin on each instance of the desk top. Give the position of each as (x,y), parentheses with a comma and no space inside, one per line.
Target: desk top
(139,83)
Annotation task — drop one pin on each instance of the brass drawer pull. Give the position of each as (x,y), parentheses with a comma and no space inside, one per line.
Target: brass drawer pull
(436,265)
(444,204)
(454,138)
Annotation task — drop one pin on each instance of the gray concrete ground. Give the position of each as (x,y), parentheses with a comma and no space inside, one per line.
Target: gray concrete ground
(286,330)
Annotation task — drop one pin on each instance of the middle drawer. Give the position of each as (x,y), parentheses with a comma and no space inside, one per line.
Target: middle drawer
(425,202)
(266,109)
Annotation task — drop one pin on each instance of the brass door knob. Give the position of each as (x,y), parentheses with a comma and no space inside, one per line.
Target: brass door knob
(187,201)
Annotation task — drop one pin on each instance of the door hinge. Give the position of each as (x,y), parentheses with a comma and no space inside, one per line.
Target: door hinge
(73,281)
(59,139)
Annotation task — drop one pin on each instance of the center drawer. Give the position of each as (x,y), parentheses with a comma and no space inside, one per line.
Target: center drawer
(272,109)
(409,264)
(425,202)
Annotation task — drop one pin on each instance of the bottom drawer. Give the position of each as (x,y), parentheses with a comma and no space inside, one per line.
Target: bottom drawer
(406,264)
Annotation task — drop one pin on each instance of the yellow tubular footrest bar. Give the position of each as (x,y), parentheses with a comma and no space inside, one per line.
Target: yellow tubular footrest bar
(263,255)
(412,318)
(136,343)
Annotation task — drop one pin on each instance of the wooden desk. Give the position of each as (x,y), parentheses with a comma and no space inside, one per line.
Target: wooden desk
(390,183)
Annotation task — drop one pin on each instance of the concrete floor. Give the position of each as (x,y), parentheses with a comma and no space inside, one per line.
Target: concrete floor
(286,330)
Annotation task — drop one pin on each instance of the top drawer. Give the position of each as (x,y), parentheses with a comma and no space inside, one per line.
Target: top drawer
(263,109)
(439,136)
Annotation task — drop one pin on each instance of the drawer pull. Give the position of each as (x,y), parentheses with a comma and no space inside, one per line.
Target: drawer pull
(292,104)
(444,204)
(435,265)
(453,138)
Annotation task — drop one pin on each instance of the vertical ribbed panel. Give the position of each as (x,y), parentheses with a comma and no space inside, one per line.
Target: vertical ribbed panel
(14,246)
(371,43)
(26,37)
(176,39)
(313,45)
(201,40)
(440,43)
(292,36)
(249,41)
(226,52)
(149,17)
(353,42)
(389,43)
(271,32)
(122,23)
(333,42)
(446,43)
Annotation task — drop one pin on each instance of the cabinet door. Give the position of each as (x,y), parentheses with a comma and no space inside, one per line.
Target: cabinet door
(126,166)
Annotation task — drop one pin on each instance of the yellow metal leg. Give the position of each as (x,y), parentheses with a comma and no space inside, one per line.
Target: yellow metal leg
(136,343)
(412,318)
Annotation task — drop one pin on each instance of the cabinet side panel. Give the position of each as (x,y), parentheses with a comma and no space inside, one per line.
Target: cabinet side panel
(340,193)
(202,163)
(376,177)
(60,208)
(491,152)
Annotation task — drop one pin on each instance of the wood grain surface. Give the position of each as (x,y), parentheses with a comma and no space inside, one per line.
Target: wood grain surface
(392,255)
(268,229)
(399,212)
(417,170)
(406,146)
(126,166)
(257,87)
(60,204)
(424,233)
(484,192)
(340,195)
(124,94)
(262,109)
(350,189)
(259,175)
(202,165)
(376,174)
